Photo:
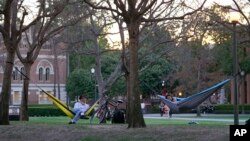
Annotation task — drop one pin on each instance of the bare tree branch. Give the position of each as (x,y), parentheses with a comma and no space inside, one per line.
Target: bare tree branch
(177,17)
(144,8)
(101,7)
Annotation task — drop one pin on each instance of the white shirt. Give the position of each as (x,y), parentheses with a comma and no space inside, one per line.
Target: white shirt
(142,105)
(80,106)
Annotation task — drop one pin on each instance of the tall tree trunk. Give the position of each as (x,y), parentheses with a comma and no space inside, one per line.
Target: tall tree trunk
(135,117)
(24,116)
(98,72)
(56,72)
(6,88)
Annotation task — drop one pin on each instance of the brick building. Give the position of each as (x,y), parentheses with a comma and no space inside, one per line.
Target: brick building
(47,72)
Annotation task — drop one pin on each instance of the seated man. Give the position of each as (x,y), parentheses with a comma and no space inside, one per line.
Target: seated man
(79,108)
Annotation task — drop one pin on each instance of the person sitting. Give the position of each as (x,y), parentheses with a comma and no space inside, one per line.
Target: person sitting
(79,108)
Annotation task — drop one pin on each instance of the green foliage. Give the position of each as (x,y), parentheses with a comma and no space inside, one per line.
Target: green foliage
(223,57)
(109,62)
(80,61)
(245,65)
(81,76)
(155,108)
(118,88)
(80,82)
(152,77)
(155,46)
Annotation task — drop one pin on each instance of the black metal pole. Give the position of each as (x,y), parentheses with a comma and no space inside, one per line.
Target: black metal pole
(93,78)
(235,75)
(95,90)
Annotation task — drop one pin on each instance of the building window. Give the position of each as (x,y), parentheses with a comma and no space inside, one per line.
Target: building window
(15,75)
(17,98)
(40,73)
(21,75)
(47,74)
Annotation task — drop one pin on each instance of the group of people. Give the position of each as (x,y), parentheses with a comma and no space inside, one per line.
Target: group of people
(164,109)
(81,107)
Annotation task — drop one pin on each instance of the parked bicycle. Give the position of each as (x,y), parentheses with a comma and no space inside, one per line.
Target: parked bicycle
(108,110)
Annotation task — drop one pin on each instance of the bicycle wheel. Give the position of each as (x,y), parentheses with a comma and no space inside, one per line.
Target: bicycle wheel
(102,115)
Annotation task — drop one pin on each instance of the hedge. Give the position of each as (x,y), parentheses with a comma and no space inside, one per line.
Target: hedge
(218,109)
(229,109)
(44,110)
(51,110)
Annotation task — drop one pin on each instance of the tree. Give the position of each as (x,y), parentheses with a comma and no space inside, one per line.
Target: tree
(155,65)
(134,13)
(43,27)
(90,41)
(151,78)
(13,15)
(78,82)
(243,32)
(41,32)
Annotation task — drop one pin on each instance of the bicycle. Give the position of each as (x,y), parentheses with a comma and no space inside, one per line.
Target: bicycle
(104,111)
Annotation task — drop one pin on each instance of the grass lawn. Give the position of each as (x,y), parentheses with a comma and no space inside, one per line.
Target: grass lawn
(58,129)
(148,121)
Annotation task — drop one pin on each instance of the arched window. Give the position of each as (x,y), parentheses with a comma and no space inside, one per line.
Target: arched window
(40,73)
(47,74)
(14,74)
(21,75)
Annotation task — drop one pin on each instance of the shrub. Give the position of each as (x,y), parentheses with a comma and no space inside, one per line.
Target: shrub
(229,109)
(44,110)
(155,108)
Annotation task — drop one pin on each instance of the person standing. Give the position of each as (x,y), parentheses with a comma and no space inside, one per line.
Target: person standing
(79,108)
(143,108)
(169,97)
(164,91)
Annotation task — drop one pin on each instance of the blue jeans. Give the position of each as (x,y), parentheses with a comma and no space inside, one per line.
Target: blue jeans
(77,114)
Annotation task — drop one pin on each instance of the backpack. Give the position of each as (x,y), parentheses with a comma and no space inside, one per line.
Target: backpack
(118,117)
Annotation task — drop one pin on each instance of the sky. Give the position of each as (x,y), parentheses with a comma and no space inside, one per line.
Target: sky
(115,38)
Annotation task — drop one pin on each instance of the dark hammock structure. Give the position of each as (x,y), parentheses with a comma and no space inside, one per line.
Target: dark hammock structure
(193,101)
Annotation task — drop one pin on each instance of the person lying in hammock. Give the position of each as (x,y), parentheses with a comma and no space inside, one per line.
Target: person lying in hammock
(79,108)
(192,101)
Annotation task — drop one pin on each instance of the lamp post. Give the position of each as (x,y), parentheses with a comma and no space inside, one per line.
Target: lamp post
(163,89)
(93,73)
(234,18)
